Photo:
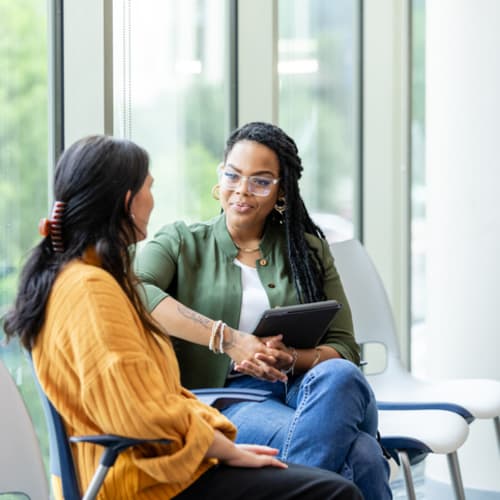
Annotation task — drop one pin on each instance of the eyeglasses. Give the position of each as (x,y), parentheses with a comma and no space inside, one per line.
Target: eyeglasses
(256,184)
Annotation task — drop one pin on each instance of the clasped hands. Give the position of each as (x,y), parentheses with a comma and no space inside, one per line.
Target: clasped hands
(266,358)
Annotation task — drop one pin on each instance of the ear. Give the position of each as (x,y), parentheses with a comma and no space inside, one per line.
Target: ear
(127,199)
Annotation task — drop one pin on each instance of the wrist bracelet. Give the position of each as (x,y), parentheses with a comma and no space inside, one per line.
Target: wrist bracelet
(291,368)
(211,342)
(221,337)
(316,357)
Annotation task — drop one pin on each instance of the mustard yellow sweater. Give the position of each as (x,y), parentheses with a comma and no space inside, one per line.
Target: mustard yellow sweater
(106,374)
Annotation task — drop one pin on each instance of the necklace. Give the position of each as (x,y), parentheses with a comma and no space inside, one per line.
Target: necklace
(247,250)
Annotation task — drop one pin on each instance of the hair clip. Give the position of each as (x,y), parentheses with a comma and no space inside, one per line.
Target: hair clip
(53,227)
(44,227)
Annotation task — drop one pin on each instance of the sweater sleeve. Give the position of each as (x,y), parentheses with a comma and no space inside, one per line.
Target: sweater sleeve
(130,386)
(127,399)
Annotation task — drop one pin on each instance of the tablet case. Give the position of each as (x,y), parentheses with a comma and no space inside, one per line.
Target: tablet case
(302,325)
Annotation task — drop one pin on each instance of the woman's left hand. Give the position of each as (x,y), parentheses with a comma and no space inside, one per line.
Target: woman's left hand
(245,349)
(283,355)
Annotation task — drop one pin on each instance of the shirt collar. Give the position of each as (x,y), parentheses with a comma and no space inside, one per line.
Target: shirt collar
(272,232)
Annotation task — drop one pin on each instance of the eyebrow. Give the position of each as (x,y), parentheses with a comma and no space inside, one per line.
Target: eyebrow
(260,172)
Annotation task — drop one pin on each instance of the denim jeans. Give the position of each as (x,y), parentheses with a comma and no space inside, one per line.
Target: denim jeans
(325,418)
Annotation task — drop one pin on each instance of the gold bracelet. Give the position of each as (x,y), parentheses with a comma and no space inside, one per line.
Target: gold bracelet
(316,358)
(291,368)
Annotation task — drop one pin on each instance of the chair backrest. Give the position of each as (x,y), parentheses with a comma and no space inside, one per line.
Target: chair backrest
(371,310)
(21,464)
(62,468)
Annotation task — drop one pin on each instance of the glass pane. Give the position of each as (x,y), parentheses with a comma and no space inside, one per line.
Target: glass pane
(418,185)
(170,97)
(318,103)
(23,163)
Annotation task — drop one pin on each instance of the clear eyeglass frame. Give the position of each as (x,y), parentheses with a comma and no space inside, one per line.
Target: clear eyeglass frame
(256,184)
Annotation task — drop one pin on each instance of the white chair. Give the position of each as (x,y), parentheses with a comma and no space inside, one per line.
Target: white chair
(395,388)
(374,322)
(409,435)
(21,465)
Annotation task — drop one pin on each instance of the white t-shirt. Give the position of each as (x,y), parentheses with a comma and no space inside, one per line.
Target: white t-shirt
(254,299)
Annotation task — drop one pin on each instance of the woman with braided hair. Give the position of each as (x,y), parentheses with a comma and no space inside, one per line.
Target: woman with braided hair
(208,283)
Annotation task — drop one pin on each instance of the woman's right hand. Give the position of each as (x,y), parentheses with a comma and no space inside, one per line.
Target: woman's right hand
(243,455)
(254,455)
(243,347)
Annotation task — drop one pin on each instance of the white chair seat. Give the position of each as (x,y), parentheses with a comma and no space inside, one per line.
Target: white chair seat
(481,397)
(425,426)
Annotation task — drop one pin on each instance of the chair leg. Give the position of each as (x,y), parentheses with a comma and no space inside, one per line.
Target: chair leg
(405,463)
(496,423)
(96,483)
(456,476)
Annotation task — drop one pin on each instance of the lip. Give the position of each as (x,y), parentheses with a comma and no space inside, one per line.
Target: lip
(241,206)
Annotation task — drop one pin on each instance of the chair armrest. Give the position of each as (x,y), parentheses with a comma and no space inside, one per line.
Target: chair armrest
(220,397)
(113,445)
(415,449)
(422,405)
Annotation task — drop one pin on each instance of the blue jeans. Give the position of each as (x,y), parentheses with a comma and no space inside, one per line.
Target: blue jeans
(325,418)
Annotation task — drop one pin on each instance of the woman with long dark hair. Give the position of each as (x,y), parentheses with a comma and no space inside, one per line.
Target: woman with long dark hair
(209,282)
(107,367)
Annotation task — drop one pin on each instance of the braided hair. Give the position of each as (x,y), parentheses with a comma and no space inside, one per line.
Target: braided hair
(306,267)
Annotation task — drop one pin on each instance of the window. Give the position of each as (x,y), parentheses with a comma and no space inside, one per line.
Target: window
(170,96)
(318,67)
(418,185)
(23,163)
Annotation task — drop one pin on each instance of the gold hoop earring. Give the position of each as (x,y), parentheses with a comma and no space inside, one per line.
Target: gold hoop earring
(280,205)
(216,192)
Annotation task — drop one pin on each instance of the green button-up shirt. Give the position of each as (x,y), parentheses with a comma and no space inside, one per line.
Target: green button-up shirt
(195,264)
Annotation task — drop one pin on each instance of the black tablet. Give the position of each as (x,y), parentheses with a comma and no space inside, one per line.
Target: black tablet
(302,325)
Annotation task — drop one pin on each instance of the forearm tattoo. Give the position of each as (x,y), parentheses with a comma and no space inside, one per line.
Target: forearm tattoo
(229,340)
(194,316)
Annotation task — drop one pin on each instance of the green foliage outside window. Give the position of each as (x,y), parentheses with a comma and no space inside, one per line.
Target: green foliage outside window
(23,163)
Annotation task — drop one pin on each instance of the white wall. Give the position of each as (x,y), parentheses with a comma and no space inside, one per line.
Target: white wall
(463,178)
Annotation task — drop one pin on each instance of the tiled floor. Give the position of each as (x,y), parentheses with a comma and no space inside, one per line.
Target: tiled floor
(428,489)
(439,491)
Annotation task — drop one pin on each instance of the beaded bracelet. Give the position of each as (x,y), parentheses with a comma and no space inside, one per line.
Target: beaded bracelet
(217,328)
(221,339)
(213,334)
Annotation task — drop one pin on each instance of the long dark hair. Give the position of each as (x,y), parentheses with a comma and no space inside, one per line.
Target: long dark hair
(92,178)
(307,269)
